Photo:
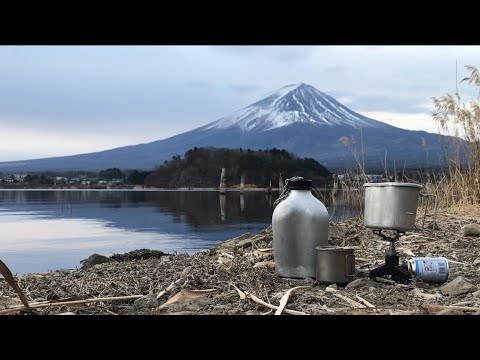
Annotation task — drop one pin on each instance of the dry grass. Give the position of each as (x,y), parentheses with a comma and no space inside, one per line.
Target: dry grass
(458,187)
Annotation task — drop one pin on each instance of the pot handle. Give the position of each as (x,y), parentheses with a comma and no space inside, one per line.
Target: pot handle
(349,265)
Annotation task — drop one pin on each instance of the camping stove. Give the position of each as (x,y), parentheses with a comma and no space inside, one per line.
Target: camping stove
(392,267)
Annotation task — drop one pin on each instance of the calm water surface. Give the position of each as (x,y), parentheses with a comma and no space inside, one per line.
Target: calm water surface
(43,230)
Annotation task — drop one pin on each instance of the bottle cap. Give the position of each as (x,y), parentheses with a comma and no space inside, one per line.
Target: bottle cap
(300,184)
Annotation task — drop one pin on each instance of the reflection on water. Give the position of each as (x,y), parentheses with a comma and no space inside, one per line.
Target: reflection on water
(242,202)
(222,198)
(47,230)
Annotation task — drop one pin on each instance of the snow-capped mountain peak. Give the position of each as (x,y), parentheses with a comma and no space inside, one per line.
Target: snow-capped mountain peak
(292,104)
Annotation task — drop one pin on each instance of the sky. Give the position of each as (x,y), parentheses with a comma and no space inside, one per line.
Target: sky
(65,100)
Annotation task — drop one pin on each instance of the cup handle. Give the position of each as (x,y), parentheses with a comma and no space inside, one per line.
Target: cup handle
(349,265)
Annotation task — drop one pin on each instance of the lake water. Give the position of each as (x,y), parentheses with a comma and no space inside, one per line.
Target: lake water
(42,230)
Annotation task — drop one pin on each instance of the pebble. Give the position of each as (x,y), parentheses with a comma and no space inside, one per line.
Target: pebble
(471,230)
(458,286)
(146,302)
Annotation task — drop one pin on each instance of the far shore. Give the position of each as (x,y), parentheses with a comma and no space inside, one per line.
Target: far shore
(233,189)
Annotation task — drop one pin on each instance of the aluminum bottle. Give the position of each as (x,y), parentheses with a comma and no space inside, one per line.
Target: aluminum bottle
(300,223)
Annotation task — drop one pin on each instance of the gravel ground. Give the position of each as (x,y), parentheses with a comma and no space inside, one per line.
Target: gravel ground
(239,271)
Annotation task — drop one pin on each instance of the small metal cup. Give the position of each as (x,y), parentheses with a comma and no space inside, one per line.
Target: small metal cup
(335,264)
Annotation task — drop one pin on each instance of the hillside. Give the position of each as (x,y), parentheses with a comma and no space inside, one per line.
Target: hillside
(201,167)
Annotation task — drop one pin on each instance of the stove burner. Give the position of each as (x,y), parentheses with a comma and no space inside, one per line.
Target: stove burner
(392,267)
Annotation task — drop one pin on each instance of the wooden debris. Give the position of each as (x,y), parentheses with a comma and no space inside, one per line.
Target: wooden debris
(225,259)
(263,252)
(456,262)
(370,305)
(261,302)
(245,294)
(406,251)
(349,301)
(7,274)
(168,288)
(467,302)
(270,264)
(437,308)
(240,293)
(67,303)
(284,299)
(187,295)
(420,294)
(227,255)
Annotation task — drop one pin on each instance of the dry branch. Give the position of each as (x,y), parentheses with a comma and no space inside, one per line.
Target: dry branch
(245,294)
(370,305)
(436,308)
(66,303)
(284,299)
(7,274)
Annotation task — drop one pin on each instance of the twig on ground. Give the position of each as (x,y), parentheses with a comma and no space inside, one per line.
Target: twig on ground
(284,299)
(76,302)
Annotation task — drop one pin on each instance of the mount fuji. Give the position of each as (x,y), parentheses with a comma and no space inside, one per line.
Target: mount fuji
(298,118)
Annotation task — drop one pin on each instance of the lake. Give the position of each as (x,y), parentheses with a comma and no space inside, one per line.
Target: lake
(44,230)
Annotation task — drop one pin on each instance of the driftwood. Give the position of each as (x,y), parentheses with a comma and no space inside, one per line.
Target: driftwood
(65,303)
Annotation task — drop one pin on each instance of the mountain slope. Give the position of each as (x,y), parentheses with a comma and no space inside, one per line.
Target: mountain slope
(298,118)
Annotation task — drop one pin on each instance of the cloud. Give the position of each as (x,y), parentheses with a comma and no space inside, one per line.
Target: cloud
(336,68)
(410,121)
(20,143)
(242,88)
(278,53)
(145,93)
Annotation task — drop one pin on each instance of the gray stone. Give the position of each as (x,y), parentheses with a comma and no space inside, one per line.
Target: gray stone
(458,286)
(476,293)
(476,261)
(449,312)
(95,259)
(371,289)
(146,302)
(360,283)
(333,286)
(471,230)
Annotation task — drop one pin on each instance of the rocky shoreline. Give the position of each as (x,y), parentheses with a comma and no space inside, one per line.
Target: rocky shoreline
(238,277)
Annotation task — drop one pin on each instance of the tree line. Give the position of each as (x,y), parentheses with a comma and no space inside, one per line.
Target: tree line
(201,167)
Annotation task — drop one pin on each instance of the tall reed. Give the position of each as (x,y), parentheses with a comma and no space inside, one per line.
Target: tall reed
(458,185)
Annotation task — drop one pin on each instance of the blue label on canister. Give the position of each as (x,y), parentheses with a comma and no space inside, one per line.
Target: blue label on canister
(431,269)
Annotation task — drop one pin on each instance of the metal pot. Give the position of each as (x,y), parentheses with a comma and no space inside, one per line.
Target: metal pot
(391,205)
(335,264)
